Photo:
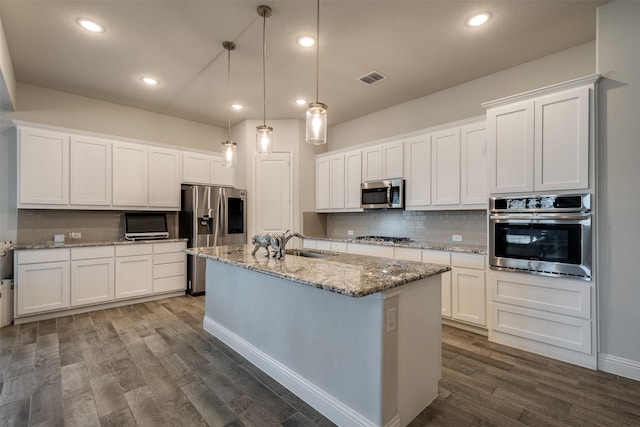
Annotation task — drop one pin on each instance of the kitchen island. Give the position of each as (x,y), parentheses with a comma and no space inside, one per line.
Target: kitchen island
(356,337)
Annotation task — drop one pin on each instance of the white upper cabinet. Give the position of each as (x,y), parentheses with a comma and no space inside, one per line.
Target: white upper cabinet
(473,165)
(164,178)
(43,167)
(417,162)
(353,179)
(196,168)
(221,175)
(383,161)
(338,178)
(445,167)
(562,141)
(540,141)
(337,182)
(323,183)
(130,174)
(90,170)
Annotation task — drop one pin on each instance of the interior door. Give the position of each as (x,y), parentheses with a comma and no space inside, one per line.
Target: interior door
(273,193)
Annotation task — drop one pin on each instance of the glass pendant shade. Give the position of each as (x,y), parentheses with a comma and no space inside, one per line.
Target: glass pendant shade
(229,154)
(316,133)
(264,140)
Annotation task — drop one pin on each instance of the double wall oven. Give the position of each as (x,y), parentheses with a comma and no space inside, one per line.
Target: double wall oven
(549,235)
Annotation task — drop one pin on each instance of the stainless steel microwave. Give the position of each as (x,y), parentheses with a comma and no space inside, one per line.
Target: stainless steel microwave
(382,194)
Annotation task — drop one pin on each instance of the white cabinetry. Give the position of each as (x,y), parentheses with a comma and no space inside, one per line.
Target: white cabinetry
(164,178)
(468,294)
(441,257)
(90,170)
(383,161)
(42,280)
(130,174)
(338,178)
(43,167)
(445,167)
(540,141)
(417,165)
(473,165)
(169,267)
(134,270)
(199,168)
(92,275)
(550,316)
(220,175)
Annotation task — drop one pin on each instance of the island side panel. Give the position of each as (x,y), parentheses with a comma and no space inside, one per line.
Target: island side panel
(326,347)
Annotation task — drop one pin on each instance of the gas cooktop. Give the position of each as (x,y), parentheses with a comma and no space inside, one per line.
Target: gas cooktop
(387,239)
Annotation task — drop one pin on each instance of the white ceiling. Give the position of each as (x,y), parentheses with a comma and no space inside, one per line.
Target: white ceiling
(420,46)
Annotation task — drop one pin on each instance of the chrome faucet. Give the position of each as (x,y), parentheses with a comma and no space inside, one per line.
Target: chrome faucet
(283,239)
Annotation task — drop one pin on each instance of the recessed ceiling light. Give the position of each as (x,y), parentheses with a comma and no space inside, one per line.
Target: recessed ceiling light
(90,25)
(236,106)
(301,101)
(478,19)
(150,81)
(306,41)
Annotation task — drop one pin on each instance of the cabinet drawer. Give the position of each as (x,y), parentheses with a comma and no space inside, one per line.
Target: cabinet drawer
(339,247)
(310,244)
(556,295)
(323,245)
(168,270)
(92,252)
(168,258)
(134,249)
(163,248)
(370,250)
(468,260)
(408,254)
(169,284)
(436,257)
(42,255)
(554,329)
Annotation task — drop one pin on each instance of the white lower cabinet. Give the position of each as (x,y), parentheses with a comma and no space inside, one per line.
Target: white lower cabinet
(441,257)
(370,250)
(468,289)
(169,267)
(92,275)
(42,281)
(134,270)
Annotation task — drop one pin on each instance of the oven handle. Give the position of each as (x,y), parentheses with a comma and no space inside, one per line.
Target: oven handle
(534,218)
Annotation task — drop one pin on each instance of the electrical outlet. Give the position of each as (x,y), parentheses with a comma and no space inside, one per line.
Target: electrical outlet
(392,319)
(75,235)
(456,237)
(350,232)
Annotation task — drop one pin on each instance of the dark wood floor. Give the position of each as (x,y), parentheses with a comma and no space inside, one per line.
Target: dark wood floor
(152,365)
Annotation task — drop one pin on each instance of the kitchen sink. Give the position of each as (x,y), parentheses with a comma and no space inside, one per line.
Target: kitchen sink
(309,253)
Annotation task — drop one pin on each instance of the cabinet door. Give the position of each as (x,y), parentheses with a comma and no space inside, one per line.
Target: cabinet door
(134,276)
(372,163)
(417,162)
(196,168)
(392,160)
(473,165)
(562,141)
(510,143)
(42,287)
(445,167)
(468,296)
(92,281)
(43,168)
(337,181)
(446,294)
(353,179)
(164,178)
(130,175)
(221,175)
(323,183)
(90,171)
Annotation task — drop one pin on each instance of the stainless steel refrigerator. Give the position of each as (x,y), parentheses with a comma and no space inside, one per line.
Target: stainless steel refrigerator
(210,216)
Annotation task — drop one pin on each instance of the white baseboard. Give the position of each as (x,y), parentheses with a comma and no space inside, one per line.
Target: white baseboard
(320,400)
(619,366)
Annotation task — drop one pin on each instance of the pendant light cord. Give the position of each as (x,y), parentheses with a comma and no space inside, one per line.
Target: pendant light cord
(264,73)
(228,93)
(317,49)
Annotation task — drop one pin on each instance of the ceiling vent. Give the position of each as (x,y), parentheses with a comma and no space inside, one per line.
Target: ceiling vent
(371,78)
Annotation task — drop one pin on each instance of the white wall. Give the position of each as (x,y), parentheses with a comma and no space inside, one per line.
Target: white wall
(463,101)
(7,78)
(618,195)
(47,106)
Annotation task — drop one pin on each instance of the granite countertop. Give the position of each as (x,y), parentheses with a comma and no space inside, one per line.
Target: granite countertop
(352,275)
(77,244)
(472,249)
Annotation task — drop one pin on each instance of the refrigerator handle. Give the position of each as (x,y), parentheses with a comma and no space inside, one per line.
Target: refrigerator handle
(223,213)
(217,219)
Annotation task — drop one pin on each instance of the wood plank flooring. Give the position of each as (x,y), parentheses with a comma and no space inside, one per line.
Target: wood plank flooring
(152,364)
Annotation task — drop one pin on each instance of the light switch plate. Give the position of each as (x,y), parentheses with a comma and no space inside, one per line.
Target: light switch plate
(456,237)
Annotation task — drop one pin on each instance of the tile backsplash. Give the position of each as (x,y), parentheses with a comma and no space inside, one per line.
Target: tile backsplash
(40,225)
(421,226)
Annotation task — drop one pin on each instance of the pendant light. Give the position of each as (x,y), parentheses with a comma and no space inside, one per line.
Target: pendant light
(264,133)
(316,129)
(229,152)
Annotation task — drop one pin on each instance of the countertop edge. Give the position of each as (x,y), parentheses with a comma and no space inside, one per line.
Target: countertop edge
(471,249)
(52,245)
